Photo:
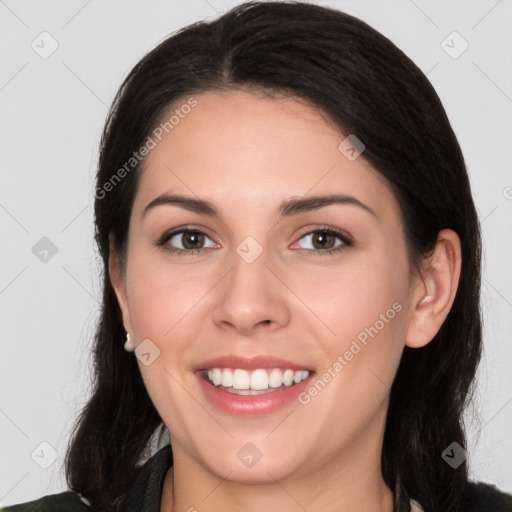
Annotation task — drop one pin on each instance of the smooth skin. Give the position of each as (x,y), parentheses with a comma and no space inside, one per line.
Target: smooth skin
(246,153)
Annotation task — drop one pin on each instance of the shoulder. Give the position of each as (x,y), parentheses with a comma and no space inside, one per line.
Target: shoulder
(145,494)
(67,501)
(479,496)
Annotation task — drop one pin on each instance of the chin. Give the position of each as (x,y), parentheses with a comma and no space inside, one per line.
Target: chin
(252,465)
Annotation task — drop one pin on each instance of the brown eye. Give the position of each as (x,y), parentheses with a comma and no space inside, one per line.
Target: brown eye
(188,241)
(324,240)
(192,239)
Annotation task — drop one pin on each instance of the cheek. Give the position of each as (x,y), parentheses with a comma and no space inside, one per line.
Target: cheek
(354,296)
(161,296)
(363,314)
(164,308)
(359,361)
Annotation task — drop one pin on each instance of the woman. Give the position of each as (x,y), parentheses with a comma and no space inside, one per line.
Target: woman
(292,263)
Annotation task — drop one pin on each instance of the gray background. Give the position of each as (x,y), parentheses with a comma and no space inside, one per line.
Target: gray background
(53,111)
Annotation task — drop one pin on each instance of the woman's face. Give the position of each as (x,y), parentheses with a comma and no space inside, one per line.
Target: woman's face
(263,285)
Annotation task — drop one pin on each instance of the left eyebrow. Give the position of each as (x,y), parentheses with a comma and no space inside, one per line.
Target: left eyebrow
(287,208)
(296,206)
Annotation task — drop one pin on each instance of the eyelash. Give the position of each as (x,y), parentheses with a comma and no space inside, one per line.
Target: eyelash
(347,241)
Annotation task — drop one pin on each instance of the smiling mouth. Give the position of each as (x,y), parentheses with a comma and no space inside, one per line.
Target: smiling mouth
(256,382)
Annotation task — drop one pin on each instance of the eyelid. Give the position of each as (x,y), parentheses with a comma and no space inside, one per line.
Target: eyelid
(346,241)
(179,229)
(344,236)
(167,235)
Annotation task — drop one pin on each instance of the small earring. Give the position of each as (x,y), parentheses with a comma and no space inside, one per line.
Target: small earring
(128,344)
(428,298)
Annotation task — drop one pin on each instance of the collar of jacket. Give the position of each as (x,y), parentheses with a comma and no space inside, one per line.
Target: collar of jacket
(146,494)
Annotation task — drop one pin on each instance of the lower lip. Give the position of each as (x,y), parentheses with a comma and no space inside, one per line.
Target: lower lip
(250,405)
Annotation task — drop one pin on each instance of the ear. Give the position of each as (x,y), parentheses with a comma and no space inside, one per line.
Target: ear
(434,291)
(119,284)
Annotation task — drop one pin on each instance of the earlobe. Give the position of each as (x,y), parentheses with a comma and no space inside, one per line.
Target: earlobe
(434,293)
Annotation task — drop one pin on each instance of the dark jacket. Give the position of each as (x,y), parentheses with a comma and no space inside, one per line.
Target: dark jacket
(147,493)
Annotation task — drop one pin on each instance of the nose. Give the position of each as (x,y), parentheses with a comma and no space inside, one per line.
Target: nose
(251,298)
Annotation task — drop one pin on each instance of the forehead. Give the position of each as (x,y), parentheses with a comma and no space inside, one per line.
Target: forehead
(242,149)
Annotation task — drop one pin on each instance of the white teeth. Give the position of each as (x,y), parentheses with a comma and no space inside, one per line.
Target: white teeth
(217,376)
(241,379)
(259,380)
(276,378)
(288,377)
(227,378)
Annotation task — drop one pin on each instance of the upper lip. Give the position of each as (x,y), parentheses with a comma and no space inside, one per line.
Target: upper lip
(249,363)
